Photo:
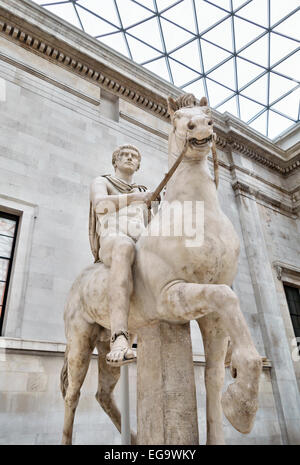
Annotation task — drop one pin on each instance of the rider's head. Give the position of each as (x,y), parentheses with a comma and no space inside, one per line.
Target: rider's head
(126,157)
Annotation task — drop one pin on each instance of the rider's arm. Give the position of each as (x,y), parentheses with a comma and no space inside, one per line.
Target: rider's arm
(103,202)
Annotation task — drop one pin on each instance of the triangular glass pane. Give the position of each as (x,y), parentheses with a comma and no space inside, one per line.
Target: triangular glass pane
(246,71)
(260,124)
(230,106)
(189,55)
(212,55)
(116,41)
(280,47)
(181,74)
(148,32)
(162,4)
(147,3)
(256,11)
(258,90)
(216,92)
(237,3)
(223,4)
(221,35)
(290,27)
(94,25)
(257,52)
(208,15)
(183,15)
(106,10)
(159,68)
(173,35)
(277,124)
(65,11)
(245,32)
(290,66)
(279,86)
(140,52)
(279,9)
(131,13)
(289,105)
(225,74)
(248,108)
(196,88)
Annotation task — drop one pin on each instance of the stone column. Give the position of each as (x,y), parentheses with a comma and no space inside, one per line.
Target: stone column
(283,377)
(166,394)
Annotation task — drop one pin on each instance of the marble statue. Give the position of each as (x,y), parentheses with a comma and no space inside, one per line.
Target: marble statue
(118,213)
(176,278)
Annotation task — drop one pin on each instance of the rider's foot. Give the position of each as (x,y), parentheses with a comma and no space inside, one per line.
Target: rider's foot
(120,352)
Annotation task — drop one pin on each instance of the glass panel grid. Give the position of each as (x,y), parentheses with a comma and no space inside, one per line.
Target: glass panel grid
(247,49)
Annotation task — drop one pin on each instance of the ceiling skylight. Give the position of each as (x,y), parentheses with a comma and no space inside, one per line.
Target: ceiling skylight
(242,54)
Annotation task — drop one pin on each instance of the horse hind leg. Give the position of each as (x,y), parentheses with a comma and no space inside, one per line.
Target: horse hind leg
(81,342)
(108,377)
(215,343)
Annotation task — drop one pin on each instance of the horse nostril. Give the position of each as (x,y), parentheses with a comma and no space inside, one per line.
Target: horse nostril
(191,125)
(210,122)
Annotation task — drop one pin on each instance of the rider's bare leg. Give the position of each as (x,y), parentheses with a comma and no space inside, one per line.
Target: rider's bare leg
(188,301)
(120,287)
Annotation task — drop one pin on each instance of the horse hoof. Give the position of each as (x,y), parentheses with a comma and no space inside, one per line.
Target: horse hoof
(239,411)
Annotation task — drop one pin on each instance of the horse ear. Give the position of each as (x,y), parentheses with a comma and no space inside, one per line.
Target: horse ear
(203,102)
(172,106)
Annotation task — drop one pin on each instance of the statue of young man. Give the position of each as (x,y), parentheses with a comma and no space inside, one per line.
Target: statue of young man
(118,214)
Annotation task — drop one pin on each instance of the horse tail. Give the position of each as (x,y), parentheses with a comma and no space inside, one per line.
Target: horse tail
(64,375)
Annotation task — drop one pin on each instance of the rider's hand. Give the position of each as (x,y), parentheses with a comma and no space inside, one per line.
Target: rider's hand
(148,198)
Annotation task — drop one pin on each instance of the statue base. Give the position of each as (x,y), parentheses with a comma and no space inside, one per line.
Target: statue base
(166,393)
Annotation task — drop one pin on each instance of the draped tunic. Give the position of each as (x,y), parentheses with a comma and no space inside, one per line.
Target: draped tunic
(103,224)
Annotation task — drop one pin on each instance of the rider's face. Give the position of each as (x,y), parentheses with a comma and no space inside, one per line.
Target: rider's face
(128,160)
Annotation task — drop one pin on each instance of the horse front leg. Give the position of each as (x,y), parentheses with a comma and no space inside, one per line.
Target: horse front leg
(215,343)
(189,301)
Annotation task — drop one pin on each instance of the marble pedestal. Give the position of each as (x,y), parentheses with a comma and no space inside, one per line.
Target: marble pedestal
(166,394)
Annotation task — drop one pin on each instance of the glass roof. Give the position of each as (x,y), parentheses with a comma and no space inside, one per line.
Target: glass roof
(242,54)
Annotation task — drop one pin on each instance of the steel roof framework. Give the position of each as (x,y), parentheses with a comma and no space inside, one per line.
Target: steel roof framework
(167,49)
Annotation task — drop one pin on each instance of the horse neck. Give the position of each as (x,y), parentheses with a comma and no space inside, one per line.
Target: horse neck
(187,176)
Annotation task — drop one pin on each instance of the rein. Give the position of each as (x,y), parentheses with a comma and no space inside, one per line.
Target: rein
(215,159)
(169,173)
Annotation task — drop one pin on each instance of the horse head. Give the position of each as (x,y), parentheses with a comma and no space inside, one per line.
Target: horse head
(192,129)
(192,123)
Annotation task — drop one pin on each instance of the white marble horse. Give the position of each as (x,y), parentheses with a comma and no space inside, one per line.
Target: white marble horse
(175,281)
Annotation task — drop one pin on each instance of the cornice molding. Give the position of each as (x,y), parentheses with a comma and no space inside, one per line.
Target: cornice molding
(75,61)
(241,188)
(42,33)
(286,272)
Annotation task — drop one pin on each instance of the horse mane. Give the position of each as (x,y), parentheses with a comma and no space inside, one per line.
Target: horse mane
(186,101)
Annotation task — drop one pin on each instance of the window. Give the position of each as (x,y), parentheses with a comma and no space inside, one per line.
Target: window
(8,232)
(293,300)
